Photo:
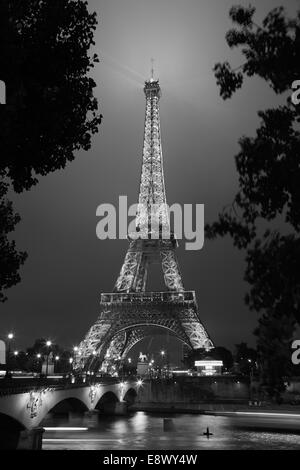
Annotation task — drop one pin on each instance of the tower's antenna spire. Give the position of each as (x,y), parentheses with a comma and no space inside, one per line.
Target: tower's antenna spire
(152,69)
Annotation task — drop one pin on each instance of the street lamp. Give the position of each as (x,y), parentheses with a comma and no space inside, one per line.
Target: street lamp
(76,351)
(10,337)
(16,353)
(56,360)
(38,356)
(48,344)
(162,353)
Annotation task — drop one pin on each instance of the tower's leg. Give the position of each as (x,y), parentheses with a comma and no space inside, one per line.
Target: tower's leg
(90,345)
(141,277)
(135,336)
(172,275)
(194,330)
(128,274)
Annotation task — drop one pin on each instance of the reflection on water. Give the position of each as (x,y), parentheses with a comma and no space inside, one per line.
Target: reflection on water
(145,431)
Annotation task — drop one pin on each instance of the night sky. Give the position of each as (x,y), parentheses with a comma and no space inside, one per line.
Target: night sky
(68,267)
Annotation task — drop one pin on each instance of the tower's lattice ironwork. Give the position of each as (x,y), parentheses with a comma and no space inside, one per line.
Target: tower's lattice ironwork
(130,313)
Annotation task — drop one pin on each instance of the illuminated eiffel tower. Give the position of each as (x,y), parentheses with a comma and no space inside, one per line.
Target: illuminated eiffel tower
(130,313)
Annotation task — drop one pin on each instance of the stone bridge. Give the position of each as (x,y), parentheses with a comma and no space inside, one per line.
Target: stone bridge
(23,407)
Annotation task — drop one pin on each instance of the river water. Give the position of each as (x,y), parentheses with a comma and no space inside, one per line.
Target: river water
(142,430)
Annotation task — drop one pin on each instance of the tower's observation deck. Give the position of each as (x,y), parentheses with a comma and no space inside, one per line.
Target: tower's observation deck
(152,88)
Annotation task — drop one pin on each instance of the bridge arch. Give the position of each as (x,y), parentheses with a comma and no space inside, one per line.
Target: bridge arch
(130,396)
(69,404)
(107,403)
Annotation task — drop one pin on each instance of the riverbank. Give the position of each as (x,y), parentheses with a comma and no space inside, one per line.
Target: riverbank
(213,408)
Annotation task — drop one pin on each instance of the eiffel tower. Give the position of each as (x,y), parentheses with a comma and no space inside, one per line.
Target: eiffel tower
(130,313)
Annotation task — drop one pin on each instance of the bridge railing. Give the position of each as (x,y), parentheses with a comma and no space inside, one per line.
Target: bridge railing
(136,297)
(12,386)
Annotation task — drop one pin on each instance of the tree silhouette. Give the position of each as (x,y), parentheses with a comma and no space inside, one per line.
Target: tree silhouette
(10,258)
(246,358)
(50,110)
(269,192)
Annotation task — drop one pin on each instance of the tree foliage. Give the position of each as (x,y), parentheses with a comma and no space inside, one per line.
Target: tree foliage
(51,111)
(245,358)
(10,258)
(36,355)
(268,166)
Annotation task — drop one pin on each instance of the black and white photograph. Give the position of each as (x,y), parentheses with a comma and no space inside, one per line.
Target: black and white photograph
(149,228)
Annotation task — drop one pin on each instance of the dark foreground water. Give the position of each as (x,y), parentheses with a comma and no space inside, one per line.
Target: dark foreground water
(146,431)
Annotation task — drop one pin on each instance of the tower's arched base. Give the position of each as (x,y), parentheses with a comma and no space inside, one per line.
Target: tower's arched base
(126,318)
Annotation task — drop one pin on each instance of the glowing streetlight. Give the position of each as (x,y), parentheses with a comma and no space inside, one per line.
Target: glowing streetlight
(10,337)
(94,353)
(38,356)
(48,344)
(57,358)
(139,383)
(162,353)
(76,351)
(16,353)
